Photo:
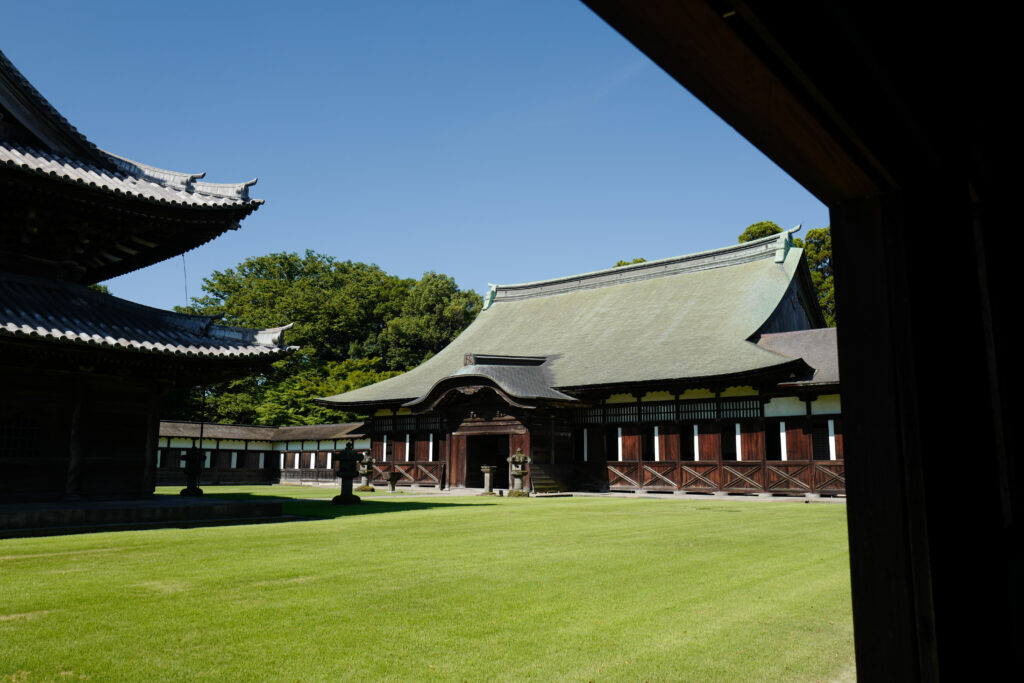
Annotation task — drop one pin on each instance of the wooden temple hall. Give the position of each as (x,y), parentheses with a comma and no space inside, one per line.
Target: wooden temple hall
(252,454)
(711,372)
(76,364)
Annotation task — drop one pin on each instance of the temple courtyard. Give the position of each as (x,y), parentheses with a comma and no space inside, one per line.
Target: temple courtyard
(421,587)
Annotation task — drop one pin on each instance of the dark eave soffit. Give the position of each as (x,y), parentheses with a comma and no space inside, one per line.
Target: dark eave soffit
(723,55)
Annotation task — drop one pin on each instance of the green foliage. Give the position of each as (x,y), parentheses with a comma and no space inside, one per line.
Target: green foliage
(756,231)
(334,304)
(434,313)
(638,259)
(355,324)
(818,247)
(288,402)
(102,289)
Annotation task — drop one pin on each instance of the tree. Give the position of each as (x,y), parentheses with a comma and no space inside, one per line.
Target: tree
(638,259)
(756,231)
(355,324)
(334,305)
(817,247)
(102,289)
(288,402)
(433,314)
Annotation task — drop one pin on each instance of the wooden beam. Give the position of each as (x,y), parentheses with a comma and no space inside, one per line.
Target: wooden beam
(695,45)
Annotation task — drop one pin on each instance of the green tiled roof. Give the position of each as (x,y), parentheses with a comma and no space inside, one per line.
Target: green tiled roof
(675,319)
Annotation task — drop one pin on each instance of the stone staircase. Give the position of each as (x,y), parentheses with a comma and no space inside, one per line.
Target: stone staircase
(547,479)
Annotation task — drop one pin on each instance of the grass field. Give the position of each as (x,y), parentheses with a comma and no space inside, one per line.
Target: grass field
(453,588)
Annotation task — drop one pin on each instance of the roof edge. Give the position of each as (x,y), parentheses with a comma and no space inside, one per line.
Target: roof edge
(775,246)
(39,117)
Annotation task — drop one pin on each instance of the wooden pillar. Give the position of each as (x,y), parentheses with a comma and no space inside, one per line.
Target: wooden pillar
(148,483)
(73,479)
(900,287)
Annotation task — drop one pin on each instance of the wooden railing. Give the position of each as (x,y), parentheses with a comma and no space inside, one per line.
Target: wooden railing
(732,476)
(413,473)
(319,474)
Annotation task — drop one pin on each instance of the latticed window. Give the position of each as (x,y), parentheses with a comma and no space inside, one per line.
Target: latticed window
(697,410)
(658,412)
(819,441)
(430,423)
(405,424)
(622,413)
(383,424)
(588,416)
(741,407)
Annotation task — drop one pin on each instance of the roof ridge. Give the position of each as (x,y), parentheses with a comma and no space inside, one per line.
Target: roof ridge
(777,246)
(179,180)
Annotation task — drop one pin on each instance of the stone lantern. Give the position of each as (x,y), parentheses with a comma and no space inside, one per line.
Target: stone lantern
(366,473)
(347,470)
(194,459)
(519,461)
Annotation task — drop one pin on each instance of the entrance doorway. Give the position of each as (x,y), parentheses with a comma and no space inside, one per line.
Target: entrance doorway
(491,449)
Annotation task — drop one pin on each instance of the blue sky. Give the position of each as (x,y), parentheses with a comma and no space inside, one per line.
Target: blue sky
(495,141)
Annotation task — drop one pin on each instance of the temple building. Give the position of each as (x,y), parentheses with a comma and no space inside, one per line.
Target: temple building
(253,454)
(711,372)
(77,365)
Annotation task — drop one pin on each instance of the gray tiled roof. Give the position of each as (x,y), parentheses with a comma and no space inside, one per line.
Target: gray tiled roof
(684,318)
(34,308)
(66,154)
(818,348)
(190,430)
(131,179)
(45,121)
(344,430)
(519,380)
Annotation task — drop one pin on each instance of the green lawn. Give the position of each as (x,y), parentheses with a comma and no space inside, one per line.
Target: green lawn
(453,588)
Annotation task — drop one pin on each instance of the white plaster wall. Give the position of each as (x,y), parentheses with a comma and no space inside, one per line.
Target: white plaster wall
(785,406)
(826,405)
(178,442)
(232,444)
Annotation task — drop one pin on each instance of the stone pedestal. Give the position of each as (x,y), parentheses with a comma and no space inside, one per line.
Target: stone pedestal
(393,478)
(488,471)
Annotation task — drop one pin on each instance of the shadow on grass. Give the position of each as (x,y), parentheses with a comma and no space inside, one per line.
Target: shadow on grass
(322,508)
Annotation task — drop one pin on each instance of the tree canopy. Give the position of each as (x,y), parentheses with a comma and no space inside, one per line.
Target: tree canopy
(638,259)
(817,246)
(355,324)
(756,231)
